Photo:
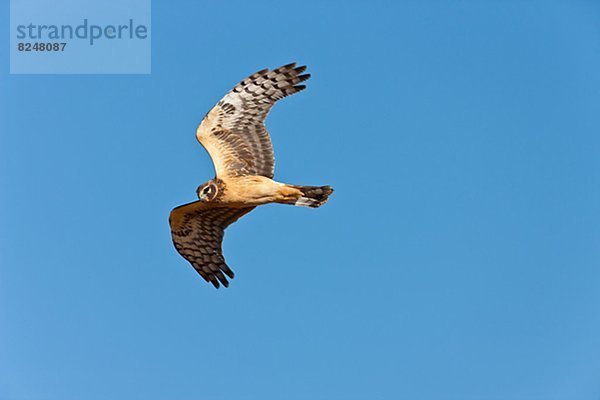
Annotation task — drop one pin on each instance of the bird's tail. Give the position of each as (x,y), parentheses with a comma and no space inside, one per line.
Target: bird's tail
(312,196)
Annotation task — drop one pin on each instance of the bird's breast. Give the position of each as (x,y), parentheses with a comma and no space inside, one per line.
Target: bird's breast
(248,190)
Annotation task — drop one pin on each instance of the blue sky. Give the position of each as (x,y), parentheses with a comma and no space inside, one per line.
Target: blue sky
(457,259)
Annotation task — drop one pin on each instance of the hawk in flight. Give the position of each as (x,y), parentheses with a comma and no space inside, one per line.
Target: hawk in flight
(234,134)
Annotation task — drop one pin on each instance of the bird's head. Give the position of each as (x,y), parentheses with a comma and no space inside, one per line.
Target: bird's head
(207,191)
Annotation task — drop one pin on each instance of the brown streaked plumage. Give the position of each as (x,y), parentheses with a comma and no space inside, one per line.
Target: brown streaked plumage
(234,134)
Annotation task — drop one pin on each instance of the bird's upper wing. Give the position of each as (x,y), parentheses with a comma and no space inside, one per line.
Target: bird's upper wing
(234,133)
(197,229)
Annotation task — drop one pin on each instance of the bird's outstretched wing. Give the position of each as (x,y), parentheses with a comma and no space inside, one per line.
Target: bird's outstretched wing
(234,133)
(197,229)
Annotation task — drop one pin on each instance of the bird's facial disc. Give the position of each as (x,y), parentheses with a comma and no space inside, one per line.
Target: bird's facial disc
(207,192)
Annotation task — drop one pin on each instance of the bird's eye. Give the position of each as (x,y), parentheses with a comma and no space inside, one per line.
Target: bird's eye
(206,190)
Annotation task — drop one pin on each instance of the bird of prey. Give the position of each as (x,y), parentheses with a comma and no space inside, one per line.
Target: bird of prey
(234,134)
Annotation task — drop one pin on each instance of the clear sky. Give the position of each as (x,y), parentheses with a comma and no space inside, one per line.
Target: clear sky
(458,258)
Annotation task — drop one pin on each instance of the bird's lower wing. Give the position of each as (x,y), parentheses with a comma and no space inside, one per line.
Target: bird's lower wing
(197,229)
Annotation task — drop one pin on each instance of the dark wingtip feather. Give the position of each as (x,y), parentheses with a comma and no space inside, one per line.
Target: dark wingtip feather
(285,67)
(302,78)
(228,271)
(222,278)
